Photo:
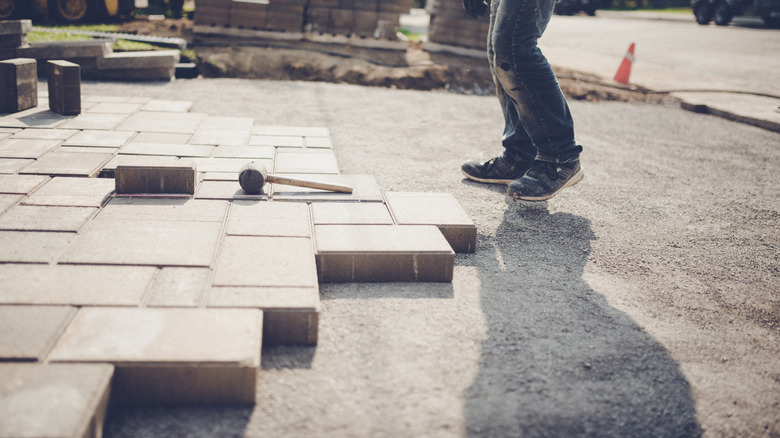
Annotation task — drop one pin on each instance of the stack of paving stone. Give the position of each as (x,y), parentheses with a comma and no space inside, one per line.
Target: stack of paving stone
(268,15)
(136,297)
(13,34)
(363,18)
(450,25)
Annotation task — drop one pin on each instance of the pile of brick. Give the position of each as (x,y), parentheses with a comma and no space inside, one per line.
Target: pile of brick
(13,34)
(451,26)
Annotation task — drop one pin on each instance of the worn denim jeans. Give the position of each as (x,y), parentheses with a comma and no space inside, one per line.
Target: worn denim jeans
(538,124)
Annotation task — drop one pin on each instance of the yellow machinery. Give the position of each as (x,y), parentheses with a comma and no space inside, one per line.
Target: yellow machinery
(65,10)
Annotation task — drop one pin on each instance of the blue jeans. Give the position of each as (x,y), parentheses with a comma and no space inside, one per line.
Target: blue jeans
(538,124)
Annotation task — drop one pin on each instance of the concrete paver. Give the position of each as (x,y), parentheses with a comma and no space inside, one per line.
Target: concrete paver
(46,218)
(45,134)
(276,141)
(176,150)
(275,219)
(7,201)
(286,131)
(68,164)
(26,148)
(164,122)
(179,287)
(227,189)
(21,184)
(32,247)
(246,152)
(228,137)
(160,137)
(98,139)
(343,213)
(29,332)
(94,121)
(72,192)
(164,209)
(364,189)
(266,261)
(9,166)
(179,178)
(314,161)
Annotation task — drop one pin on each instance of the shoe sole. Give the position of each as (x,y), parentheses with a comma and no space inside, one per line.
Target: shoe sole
(512,196)
(487,181)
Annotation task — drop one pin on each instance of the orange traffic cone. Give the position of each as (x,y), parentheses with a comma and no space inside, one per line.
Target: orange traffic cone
(624,71)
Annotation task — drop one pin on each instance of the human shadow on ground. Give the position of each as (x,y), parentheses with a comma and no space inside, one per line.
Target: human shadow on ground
(558,360)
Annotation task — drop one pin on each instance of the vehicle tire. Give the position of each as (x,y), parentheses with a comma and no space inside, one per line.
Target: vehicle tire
(10,9)
(72,11)
(590,9)
(703,12)
(723,14)
(176,7)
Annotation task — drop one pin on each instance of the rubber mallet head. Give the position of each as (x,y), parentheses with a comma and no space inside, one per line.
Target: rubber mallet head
(252,178)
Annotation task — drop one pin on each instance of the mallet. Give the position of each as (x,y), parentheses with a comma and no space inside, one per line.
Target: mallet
(253,177)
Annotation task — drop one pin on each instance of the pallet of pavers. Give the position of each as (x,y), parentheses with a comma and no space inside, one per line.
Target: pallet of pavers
(135,269)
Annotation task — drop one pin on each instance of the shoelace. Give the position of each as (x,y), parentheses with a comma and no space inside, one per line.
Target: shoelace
(540,167)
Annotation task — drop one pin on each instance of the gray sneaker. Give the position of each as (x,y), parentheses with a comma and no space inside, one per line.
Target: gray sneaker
(497,170)
(544,180)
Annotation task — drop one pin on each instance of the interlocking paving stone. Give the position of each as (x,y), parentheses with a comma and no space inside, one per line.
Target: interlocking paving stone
(276,141)
(318,142)
(74,284)
(53,401)
(18,84)
(21,184)
(13,165)
(154,243)
(377,253)
(45,134)
(174,123)
(32,247)
(7,201)
(94,121)
(220,137)
(99,139)
(26,148)
(109,168)
(161,137)
(164,209)
(302,131)
(265,261)
(115,108)
(45,218)
(68,164)
(440,209)
(39,117)
(177,178)
(85,150)
(229,189)
(173,106)
(364,188)
(231,123)
(29,332)
(170,355)
(306,162)
(344,213)
(281,219)
(176,150)
(72,192)
(246,152)
(64,86)
(290,315)
(179,287)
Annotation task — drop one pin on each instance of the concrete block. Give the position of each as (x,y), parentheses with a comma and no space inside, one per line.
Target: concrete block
(115,107)
(226,190)
(8,201)
(439,209)
(38,117)
(168,106)
(45,134)
(318,142)
(159,137)
(48,401)
(265,261)
(157,59)
(32,247)
(282,141)
(28,332)
(299,131)
(290,315)
(18,85)
(174,150)
(75,285)
(279,219)
(164,209)
(228,123)
(224,165)
(380,253)
(13,41)
(73,192)
(175,123)
(15,27)
(168,179)
(21,184)
(13,165)
(68,164)
(146,74)
(99,139)
(249,14)
(26,147)
(179,287)
(7,53)
(365,189)
(245,152)
(306,162)
(94,121)
(188,356)
(220,137)
(350,213)
(67,50)
(109,169)
(212,15)
(64,83)
(148,243)
(44,218)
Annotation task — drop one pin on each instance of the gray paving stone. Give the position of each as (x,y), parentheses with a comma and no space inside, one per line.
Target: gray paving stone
(220,137)
(45,134)
(161,137)
(151,243)
(139,60)
(202,356)
(318,142)
(280,219)
(176,150)
(54,401)
(276,141)
(21,184)
(115,108)
(7,201)
(230,123)
(346,213)
(109,168)
(172,106)
(99,139)
(68,164)
(44,218)
(245,152)
(288,161)
(380,253)
(64,86)
(164,209)
(38,117)
(290,315)
(13,165)
(265,261)
(26,148)
(227,190)
(78,285)
(224,165)
(440,209)
(364,189)
(172,123)
(32,247)
(73,192)
(94,121)
(178,178)
(86,150)
(302,131)
(179,287)
(28,332)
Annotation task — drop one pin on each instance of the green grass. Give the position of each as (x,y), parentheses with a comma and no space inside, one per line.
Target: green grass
(414,37)
(119,45)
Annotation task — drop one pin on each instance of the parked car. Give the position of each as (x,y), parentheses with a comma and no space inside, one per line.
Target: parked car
(723,11)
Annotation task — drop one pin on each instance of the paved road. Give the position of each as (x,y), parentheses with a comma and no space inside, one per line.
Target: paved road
(643,302)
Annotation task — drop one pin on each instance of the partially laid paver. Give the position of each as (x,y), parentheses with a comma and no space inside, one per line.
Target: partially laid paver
(45,134)
(172,106)
(179,287)
(160,137)
(382,253)
(26,147)
(226,190)
(8,201)
(109,169)
(279,219)
(245,152)
(179,178)
(311,162)
(318,142)
(21,184)
(32,247)
(228,137)
(68,164)
(265,261)
(72,192)
(45,218)
(74,284)
(28,332)
(175,123)
(54,401)
(350,213)
(364,189)
(301,131)
(99,139)
(94,121)
(13,165)
(276,141)
(164,209)
(175,150)
(230,123)
(39,117)
(195,356)
(115,108)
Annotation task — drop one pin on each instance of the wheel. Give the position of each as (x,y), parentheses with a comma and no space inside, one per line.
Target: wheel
(703,12)
(176,7)
(590,9)
(13,9)
(723,14)
(72,10)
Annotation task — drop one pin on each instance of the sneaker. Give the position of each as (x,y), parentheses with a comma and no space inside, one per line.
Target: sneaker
(544,180)
(498,170)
